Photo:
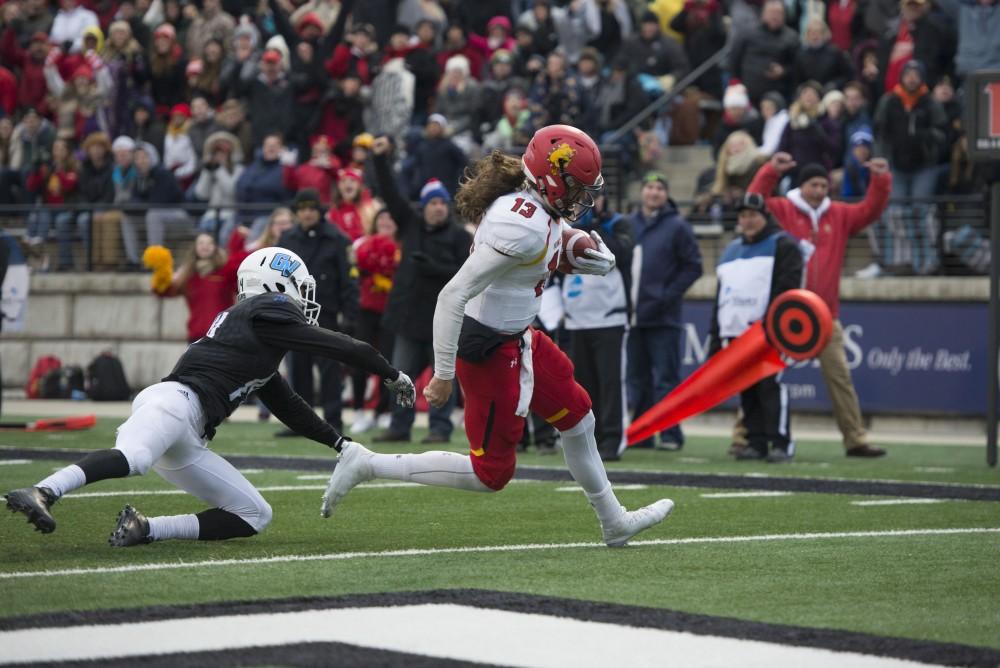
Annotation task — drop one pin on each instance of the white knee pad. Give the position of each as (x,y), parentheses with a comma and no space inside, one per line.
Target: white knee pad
(583,426)
(261,518)
(140,460)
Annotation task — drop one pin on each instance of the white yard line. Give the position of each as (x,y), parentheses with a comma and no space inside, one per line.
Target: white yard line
(741,495)
(265,488)
(933,469)
(432,630)
(898,502)
(527,547)
(618,488)
(14,462)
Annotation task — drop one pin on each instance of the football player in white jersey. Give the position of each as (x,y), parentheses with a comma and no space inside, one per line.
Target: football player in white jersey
(483,318)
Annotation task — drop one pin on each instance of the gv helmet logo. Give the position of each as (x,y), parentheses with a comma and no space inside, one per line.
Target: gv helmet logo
(285,264)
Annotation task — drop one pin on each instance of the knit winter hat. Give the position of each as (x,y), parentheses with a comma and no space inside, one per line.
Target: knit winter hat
(736,97)
(84,71)
(862,136)
(656,177)
(830,98)
(753,202)
(310,19)
(307,197)
(499,22)
(777,98)
(364,140)
(150,150)
(458,62)
(433,188)
(811,171)
(914,65)
(439,119)
(165,30)
(123,143)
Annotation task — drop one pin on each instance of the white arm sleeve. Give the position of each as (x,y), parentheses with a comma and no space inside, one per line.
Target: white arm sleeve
(483,267)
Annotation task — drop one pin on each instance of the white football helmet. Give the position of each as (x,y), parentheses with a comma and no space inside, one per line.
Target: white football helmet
(278,270)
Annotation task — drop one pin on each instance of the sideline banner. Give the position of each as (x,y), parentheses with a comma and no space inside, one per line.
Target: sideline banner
(14,292)
(905,357)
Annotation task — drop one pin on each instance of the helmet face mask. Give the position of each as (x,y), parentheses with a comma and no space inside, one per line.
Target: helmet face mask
(580,198)
(277,270)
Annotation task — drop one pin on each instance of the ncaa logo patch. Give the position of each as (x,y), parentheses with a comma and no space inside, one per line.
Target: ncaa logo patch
(285,264)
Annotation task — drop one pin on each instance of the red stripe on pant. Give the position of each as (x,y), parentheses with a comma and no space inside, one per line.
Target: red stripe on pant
(491,392)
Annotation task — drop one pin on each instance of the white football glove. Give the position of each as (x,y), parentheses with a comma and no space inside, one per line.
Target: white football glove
(404,390)
(599,261)
(327,507)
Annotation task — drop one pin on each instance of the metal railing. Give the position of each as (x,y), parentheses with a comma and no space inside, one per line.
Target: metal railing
(665,99)
(714,229)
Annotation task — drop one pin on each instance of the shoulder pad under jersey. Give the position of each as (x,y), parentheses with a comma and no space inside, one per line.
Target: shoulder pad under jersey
(515,225)
(276,307)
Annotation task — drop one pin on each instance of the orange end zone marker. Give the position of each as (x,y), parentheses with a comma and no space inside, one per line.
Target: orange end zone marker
(53,424)
(799,326)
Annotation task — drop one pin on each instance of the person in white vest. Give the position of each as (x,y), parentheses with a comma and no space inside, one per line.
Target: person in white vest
(595,311)
(757,266)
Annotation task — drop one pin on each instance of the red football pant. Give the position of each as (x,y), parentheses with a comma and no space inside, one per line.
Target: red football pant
(491,392)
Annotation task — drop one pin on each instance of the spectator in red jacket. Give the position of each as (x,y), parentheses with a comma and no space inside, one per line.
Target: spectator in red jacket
(319,173)
(457,44)
(207,279)
(29,64)
(53,182)
(353,208)
(377,256)
(808,214)
(355,55)
(8,91)
(167,67)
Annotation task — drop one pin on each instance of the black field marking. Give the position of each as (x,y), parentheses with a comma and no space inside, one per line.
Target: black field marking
(307,655)
(949,654)
(925,490)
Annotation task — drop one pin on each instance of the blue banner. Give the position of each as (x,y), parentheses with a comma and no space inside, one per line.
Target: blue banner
(905,357)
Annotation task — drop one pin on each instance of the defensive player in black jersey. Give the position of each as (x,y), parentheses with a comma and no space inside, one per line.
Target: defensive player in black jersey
(172,421)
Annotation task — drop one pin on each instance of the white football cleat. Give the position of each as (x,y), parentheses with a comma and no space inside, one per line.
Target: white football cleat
(353,468)
(628,524)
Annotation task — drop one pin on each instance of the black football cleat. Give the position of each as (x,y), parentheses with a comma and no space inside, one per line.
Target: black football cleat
(34,503)
(132,529)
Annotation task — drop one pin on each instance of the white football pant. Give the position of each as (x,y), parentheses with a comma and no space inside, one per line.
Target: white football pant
(165,433)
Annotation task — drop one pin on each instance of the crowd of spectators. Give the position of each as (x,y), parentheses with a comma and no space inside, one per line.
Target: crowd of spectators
(193,107)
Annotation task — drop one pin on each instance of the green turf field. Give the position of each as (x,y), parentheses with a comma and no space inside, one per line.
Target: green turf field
(922,583)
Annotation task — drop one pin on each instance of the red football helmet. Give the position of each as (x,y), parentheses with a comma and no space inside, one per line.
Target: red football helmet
(564,165)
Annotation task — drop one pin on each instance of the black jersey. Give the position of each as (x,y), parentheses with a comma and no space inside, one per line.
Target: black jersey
(241,353)
(230,361)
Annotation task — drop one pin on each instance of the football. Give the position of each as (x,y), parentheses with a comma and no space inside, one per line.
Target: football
(574,243)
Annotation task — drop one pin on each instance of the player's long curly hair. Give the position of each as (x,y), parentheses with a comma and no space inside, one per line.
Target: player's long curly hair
(484,181)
